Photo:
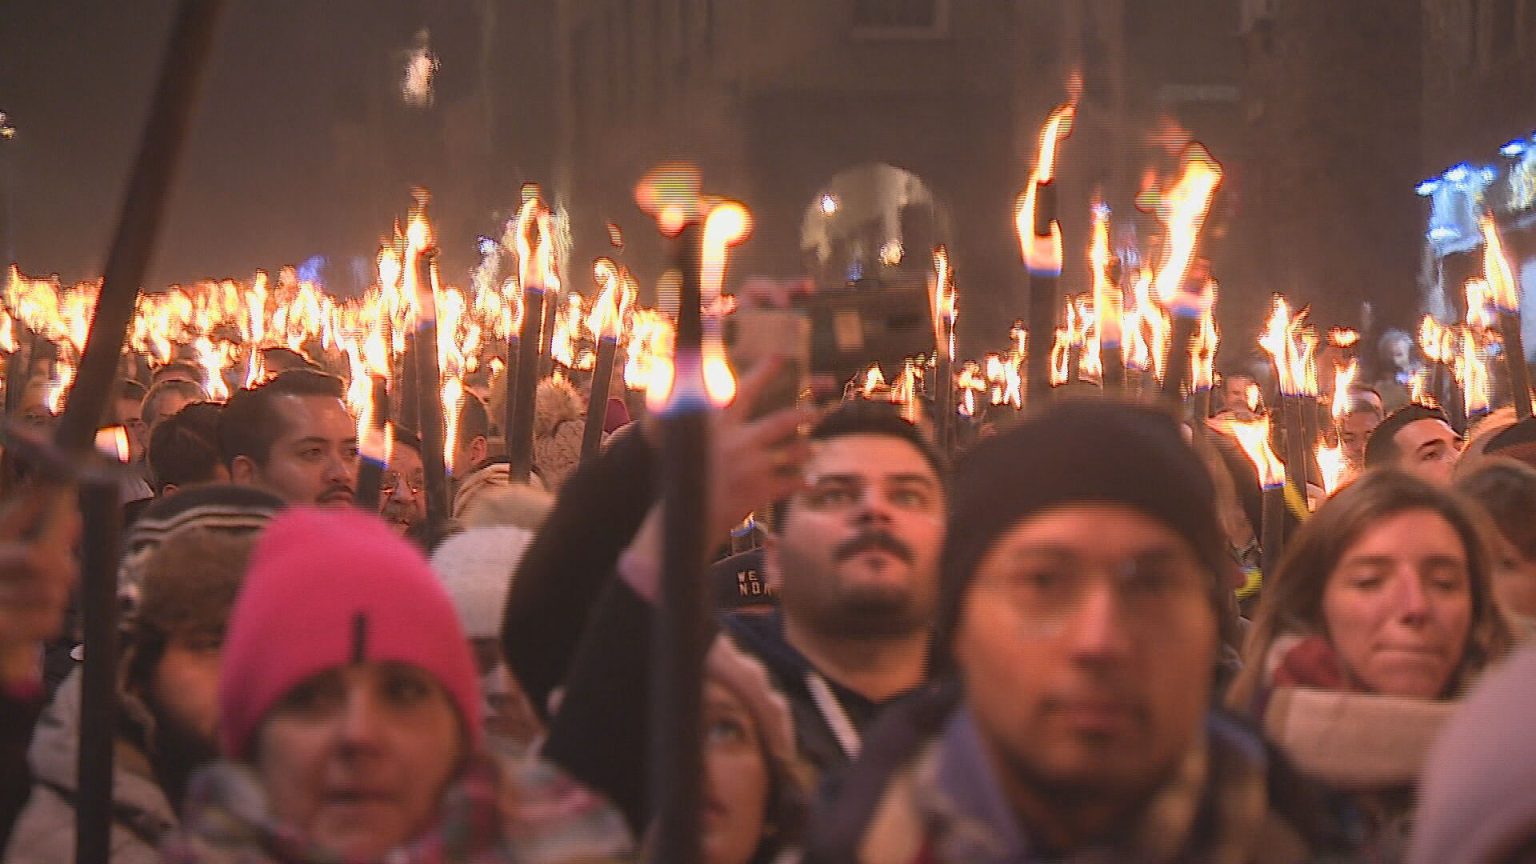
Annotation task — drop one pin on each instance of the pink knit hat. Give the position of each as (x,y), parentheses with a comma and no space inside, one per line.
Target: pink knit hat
(327,588)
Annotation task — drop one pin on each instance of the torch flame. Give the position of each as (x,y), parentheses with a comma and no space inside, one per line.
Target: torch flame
(1187,204)
(1342,379)
(453,402)
(943,296)
(112,442)
(1506,291)
(1333,465)
(1472,371)
(1292,345)
(1343,337)
(1108,300)
(728,224)
(608,310)
(1253,437)
(1202,351)
(1058,125)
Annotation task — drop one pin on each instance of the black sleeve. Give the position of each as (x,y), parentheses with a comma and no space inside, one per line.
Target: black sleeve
(18,714)
(601,506)
(600,733)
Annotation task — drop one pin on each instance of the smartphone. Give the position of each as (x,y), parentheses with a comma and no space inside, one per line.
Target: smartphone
(753,336)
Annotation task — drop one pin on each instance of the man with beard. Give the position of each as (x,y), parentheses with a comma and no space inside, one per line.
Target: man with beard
(1079,623)
(168,687)
(853,558)
(293,437)
(852,554)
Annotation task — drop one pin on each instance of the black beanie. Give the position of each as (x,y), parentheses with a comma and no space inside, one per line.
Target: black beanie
(1077,452)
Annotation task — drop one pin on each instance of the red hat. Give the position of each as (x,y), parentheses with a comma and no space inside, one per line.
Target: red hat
(331,587)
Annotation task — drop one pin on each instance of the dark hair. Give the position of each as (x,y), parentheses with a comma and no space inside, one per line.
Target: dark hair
(172,386)
(1380,449)
(184,448)
(130,389)
(180,367)
(1292,601)
(865,417)
(1506,490)
(250,423)
(474,419)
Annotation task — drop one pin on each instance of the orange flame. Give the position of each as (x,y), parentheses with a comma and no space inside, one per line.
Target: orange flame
(1333,465)
(112,442)
(1342,379)
(1481,313)
(1058,125)
(942,295)
(1471,368)
(1292,346)
(609,308)
(1202,350)
(1108,300)
(1253,437)
(453,402)
(1343,337)
(728,224)
(971,381)
(1187,204)
(1505,289)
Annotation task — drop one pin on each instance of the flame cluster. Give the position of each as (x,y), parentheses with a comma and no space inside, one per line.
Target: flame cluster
(1291,342)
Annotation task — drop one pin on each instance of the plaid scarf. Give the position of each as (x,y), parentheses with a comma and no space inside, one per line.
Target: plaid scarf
(526,813)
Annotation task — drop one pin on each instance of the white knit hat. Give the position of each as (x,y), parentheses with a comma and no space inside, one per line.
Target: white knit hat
(476,567)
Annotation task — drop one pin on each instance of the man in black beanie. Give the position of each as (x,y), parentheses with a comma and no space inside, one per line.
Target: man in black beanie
(1080,620)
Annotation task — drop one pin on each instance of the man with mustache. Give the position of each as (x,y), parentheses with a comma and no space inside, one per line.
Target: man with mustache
(853,558)
(1079,625)
(293,437)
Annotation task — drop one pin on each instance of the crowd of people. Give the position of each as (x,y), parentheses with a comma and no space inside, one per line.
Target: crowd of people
(1044,649)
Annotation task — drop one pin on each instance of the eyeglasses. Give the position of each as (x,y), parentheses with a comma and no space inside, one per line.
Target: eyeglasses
(1047,590)
(390,481)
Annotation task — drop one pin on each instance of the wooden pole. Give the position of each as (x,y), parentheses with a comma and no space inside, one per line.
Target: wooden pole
(429,394)
(523,407)
(1272,536)
(1514,355)
(144,204)
(1296,445)
(597,399)
(1044,298)
(682,632)
(1184,327)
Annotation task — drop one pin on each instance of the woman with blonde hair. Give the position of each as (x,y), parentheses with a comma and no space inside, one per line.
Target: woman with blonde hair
(1380,617)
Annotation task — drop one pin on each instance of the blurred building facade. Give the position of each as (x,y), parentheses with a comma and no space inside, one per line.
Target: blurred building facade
(799,107)
(1333,94)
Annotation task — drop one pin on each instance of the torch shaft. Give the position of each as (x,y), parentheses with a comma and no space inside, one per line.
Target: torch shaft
(1113,365)
(1178,357)
(1514,355)
(101,521)
(1296,445)
(509,390)
(524,407)
(429,395)
(1272,530)
(144,205)
(1043,299)
(597,400)
(677,682)
(944,402)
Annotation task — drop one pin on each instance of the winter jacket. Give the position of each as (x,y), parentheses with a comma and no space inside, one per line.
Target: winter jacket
(571,560)
(45,833)
(926,792)
(20,707)
(494,813)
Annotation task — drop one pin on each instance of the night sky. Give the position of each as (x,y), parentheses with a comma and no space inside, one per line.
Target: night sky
(265,180)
